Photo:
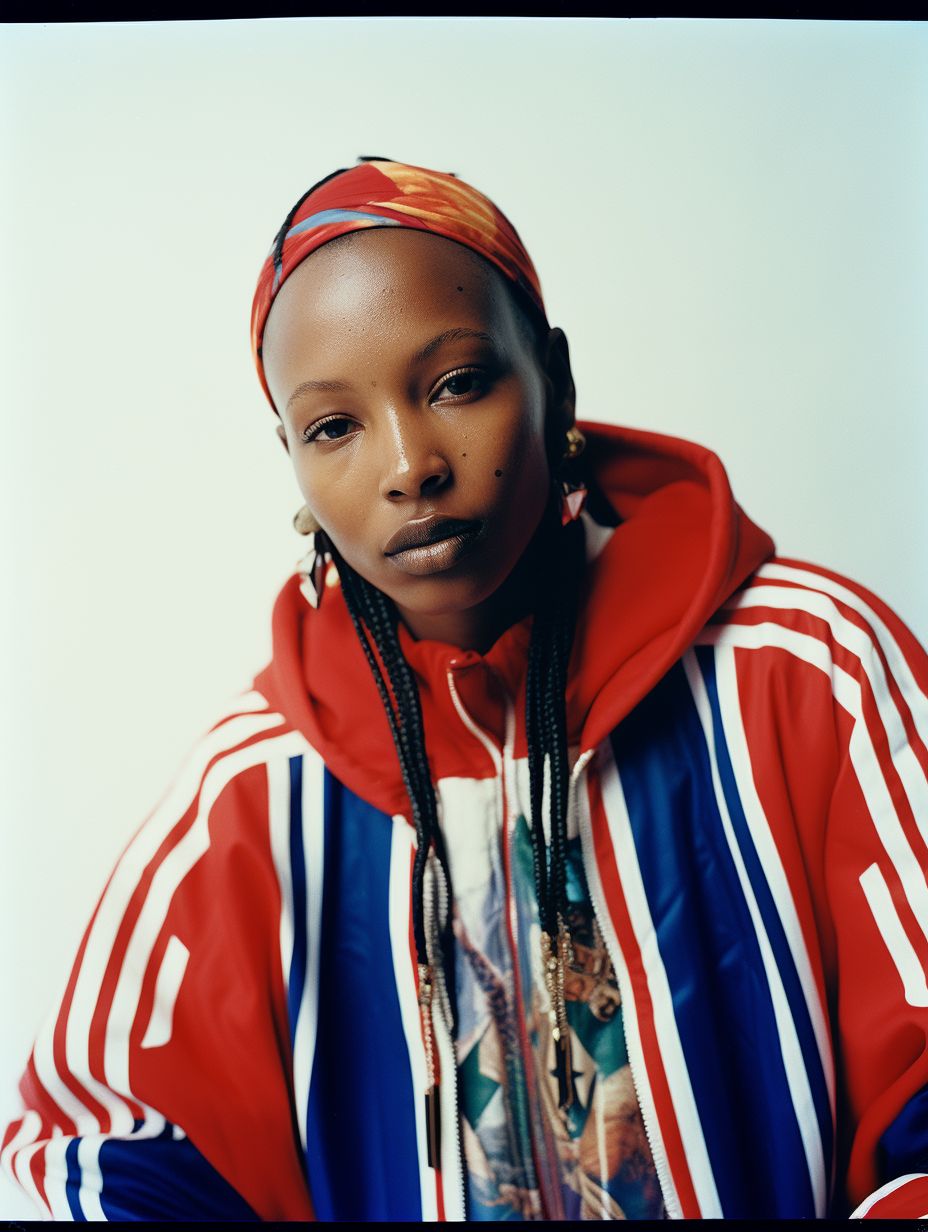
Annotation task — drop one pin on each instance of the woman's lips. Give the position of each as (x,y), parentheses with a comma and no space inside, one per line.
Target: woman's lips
(420,531)
(441,554)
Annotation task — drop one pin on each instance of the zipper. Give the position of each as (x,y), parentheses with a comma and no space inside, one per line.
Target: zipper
(504,766)
(442,1021)
(477,732)
(552,1207)
(661,1165)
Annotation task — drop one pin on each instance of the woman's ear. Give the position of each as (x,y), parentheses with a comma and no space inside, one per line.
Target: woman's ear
(563,395)
(282,433)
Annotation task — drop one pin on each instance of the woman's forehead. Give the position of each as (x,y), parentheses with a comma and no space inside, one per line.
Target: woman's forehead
(399,257)
(368,280)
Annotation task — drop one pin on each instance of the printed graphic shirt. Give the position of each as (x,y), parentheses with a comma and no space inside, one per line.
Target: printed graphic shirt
(524,1158)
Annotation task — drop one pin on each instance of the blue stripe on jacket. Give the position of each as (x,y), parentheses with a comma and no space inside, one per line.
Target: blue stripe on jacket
(361,1117)
(297,974)
(160,1178)
(73,1183)
(721,998)
(773,925)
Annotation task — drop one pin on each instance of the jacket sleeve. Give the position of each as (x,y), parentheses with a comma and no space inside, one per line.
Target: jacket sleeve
(161,1088)
(874,871)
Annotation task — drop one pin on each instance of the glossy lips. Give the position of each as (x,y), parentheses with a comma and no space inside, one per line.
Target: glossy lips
(430,545)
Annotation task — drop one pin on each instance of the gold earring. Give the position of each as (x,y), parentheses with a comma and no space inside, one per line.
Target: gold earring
(572,491)
(576,443)
(303,521)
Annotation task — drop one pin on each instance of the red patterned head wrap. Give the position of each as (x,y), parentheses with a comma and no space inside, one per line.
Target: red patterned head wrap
(379,193)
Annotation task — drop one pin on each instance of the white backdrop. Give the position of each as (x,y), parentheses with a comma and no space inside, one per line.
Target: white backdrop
(728,220)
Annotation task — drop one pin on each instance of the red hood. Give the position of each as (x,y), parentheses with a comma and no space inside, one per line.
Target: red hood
(682,548)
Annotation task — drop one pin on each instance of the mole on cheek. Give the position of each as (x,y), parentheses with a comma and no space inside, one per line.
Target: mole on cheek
(460,288)
(497,474)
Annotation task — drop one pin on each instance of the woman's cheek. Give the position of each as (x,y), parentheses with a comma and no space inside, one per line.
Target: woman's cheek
(336,494)
(529,460)
(299,454)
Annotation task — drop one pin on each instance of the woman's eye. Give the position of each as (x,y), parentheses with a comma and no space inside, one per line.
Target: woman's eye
(460,384)
(328,429)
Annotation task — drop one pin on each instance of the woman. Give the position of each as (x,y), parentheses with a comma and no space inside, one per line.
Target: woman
(568,858)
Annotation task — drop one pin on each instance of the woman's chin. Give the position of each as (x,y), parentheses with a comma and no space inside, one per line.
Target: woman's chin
(440,595)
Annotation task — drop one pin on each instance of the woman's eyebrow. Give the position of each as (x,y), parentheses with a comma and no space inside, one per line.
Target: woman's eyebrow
(316,387)
(448,335)
(336,387)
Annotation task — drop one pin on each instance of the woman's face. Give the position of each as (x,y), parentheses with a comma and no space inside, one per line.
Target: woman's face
(411,391)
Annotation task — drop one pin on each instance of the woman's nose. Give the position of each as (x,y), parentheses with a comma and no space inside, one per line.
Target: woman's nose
(414,466)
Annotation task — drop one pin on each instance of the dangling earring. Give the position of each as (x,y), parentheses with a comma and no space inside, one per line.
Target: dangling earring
(572,491)
(315,563)
(304,523)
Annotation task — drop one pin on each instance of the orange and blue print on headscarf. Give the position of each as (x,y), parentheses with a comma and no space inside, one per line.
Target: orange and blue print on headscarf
(381,193)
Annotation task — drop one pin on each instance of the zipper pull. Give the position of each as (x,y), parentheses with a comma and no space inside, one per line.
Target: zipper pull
(554,964)
(432,1107)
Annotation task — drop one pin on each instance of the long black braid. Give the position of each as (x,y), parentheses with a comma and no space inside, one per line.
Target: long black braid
(546,720)
(374,617)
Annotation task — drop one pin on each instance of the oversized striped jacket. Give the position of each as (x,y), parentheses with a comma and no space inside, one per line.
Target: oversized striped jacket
(240,1036)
